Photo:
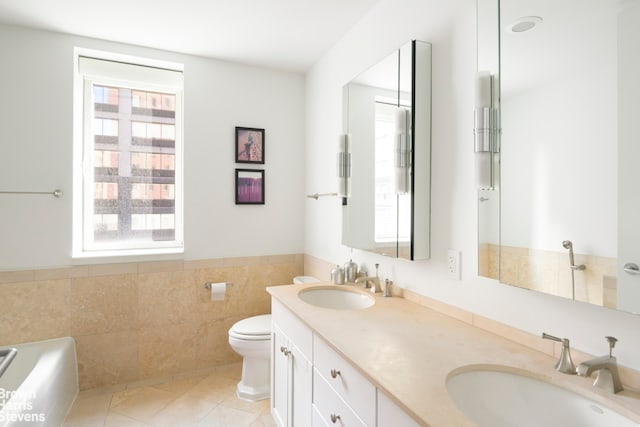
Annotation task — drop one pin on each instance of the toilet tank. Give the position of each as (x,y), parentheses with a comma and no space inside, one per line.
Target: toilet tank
(305,279)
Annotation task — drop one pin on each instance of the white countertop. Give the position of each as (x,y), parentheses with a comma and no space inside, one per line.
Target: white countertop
(408,351)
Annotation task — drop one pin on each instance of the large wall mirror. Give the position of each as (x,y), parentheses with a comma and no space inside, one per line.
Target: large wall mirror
(569,78)
(387,117)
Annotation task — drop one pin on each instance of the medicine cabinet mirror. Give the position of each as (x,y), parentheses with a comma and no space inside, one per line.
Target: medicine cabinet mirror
(568,209)
(387,118)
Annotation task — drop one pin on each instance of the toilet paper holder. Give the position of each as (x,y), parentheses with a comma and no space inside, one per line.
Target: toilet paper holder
(208,285)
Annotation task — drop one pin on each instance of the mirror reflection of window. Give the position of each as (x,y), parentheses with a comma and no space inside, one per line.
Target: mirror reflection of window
(388,204)
(388,212)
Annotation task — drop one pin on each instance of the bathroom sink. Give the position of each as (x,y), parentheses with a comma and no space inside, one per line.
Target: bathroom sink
(337,298)
(499,399)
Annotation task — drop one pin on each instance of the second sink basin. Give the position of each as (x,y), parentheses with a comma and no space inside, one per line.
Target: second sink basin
(495,398)
(337,298)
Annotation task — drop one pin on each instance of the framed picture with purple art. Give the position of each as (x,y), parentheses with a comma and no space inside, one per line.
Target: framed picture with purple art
(249,145)
(249,187)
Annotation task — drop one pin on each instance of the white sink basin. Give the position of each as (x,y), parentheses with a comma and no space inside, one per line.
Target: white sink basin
(337,298)
(499,399)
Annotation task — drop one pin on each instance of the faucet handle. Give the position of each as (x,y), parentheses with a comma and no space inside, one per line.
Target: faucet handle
(387,288)
(612,343)
(565,363)
(564,341)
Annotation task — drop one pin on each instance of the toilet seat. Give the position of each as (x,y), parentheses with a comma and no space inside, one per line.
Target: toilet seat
(256,328)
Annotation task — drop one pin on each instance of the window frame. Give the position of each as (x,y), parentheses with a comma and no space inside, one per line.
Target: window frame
(83,243)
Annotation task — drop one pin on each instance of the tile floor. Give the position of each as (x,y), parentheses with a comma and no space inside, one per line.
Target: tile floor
(197,400)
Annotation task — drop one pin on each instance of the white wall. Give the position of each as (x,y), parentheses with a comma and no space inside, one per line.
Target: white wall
(559,135)
(559,169)
(450,27)
(36,151)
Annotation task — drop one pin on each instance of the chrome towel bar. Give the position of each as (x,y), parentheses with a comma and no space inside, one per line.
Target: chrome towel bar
(55,193)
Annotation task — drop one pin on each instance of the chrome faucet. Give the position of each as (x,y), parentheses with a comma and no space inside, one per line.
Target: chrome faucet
(567,244)
(565,363)
(608,377)
(371,282)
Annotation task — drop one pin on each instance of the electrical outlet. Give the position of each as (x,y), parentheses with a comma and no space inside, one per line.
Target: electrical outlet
(453,264)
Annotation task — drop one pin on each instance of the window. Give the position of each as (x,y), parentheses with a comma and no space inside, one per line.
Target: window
(128,156)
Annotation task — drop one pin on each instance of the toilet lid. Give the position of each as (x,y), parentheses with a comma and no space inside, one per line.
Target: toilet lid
(253,326)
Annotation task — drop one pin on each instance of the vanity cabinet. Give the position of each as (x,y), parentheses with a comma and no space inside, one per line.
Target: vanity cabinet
(313,385)
(291,369)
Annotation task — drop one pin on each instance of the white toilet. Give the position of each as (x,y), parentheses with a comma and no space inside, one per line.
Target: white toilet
(251,338)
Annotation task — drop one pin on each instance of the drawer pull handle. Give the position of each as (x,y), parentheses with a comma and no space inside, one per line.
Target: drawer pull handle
(284,350)
(334,374)
(335,418)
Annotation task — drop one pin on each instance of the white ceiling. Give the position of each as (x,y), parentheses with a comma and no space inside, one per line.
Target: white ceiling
(283,34)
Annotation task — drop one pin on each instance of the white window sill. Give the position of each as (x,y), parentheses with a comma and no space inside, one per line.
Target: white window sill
(87,255)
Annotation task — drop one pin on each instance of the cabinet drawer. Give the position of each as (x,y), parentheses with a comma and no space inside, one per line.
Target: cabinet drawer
(330,408)
(390,414)
(316,419)
(292,327)
(349,384)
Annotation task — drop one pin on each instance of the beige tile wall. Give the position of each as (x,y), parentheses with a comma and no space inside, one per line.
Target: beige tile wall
(317,267)
(140,320)
(548,271)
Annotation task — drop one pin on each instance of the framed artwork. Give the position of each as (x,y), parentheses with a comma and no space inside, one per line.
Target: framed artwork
(249,145)
(249,187)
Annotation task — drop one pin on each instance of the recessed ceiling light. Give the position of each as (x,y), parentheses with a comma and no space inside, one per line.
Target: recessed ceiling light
(523,24)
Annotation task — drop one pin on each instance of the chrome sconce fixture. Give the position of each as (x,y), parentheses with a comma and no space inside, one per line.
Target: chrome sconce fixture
(343,172)
(402,151)
(343,165)
(486,130)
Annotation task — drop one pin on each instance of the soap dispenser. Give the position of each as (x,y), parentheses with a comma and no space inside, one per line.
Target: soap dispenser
(337,275)
(350,271)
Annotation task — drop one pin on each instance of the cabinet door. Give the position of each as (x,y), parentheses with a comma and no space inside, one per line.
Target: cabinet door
(302,372)
(295,330)
(279,378)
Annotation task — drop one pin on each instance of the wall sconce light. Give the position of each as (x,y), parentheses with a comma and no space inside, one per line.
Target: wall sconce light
(486,132)
(402,149)
(343,164)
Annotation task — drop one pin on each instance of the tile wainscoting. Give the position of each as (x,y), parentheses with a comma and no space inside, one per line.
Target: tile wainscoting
(137,321)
